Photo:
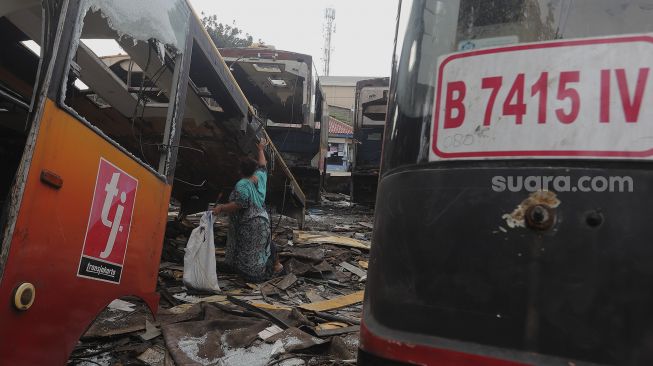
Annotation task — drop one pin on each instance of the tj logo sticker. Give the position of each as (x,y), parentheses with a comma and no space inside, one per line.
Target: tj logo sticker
(109,223)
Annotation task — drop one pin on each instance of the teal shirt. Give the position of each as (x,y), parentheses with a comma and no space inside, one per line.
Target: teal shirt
(255,193)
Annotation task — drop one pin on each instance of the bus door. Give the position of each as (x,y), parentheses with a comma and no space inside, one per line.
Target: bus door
(85,209)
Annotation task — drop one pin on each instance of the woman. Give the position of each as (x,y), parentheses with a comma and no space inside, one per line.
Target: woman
(249,246)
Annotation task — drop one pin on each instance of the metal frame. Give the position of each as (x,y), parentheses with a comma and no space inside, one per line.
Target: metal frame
(51,38)
(175,112)
(173,128)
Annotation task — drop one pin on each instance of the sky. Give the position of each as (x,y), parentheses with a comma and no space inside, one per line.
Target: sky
(362,42)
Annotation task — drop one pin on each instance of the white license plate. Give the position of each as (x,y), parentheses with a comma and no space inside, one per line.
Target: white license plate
(560,99)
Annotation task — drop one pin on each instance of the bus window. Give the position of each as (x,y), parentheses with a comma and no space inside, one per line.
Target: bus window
(201,173)
(120,78)
(20,25)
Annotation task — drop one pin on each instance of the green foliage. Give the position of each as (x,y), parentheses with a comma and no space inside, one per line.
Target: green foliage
(224,35)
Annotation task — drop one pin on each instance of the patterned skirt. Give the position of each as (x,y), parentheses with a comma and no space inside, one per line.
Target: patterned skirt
(249,249)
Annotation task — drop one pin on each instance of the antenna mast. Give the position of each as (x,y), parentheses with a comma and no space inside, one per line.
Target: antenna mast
(329,29)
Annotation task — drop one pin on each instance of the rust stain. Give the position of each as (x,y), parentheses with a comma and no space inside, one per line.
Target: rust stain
(517,217)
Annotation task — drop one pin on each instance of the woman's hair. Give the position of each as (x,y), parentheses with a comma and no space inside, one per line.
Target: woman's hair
(248,166)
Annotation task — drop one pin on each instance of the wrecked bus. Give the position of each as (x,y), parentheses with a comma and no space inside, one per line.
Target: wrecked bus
(511,225)
(281,87)
(371,103)
(107,109)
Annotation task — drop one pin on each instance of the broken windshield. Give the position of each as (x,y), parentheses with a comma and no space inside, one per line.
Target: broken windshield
(462,25)
(430,29)
(166,21)
(121,71)
(493,23)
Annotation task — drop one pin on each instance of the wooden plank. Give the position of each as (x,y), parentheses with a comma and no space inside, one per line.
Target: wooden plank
(353,269)
(152,356)
(235,292)
(287,281)
(269,332)
(262,305)
(313,296)
(331,325)
(336,318)
(179,309)
(338,302)
(308,237)
(196,299)
(272,317)
(336,331)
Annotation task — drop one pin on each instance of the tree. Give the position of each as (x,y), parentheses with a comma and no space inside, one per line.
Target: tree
(224,35)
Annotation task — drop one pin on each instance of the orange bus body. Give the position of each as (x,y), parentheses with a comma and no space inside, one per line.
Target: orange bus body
(84,202)
(48,239)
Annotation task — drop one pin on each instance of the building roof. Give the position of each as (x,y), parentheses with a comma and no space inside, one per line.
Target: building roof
(342,80)
(339,128)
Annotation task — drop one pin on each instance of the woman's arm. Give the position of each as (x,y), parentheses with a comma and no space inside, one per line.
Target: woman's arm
(262,162)
(226,207)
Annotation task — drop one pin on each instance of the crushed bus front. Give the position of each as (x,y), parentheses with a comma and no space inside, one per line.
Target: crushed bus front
(511,222)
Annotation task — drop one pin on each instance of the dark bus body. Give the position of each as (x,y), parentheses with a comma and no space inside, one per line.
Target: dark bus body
(369,122)
(282,88)
(299,147)
(469,269)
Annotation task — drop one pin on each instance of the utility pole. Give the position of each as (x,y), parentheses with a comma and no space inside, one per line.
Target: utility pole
(329,29)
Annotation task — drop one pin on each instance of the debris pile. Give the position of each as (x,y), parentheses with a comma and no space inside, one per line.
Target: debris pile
(308,316)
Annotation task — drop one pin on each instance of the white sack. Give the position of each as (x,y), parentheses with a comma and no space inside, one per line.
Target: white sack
(199,258)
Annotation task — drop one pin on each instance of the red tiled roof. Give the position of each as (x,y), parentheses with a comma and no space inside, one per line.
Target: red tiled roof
(339,128)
